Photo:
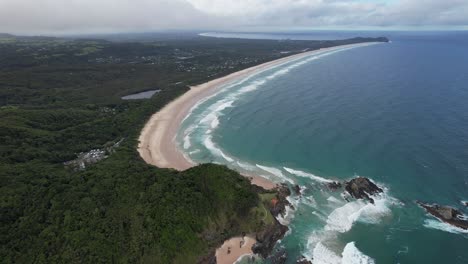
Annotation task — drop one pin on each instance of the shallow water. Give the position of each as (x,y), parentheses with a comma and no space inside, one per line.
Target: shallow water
(396,113)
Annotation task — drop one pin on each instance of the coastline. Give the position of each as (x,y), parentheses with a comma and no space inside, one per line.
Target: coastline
(157,144)
(157,139)
(233,249)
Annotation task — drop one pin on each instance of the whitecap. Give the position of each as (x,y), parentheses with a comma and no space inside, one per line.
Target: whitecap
(310,201)
(187,143)
(210,145)
(307,175)
(333,200)
(436,224)
(323,255)
(245,166)
(214,123)
(352,255)
(343,218)
(276,172)
(320,216)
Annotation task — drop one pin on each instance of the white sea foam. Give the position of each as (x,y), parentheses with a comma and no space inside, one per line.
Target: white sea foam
(436,224)
(276,172)
(352,255)
(334,200)
(251,87)
(210,145)
(323,255)
(343,218)
(287,217)
(246,166)
(307,175)
(223,105)
(194,152)
(208,118)
(187,143)
(310,201)
(320,216)
(214,123)
(187,139)
(244,257)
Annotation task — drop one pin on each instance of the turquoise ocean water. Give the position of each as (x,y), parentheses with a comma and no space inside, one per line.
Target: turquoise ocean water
(396,113)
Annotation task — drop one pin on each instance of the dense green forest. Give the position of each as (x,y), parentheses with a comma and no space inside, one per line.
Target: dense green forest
(61,97)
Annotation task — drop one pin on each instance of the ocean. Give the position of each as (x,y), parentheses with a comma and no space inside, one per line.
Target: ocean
(396,113)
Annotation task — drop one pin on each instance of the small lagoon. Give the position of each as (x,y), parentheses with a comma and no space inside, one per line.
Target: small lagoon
(141,95)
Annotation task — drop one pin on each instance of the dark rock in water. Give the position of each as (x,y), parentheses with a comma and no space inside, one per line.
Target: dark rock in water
(446,214)
(465,203)
(361,188)
(303,260)
(334,186)
(279,257)
(267,239)
(297,189)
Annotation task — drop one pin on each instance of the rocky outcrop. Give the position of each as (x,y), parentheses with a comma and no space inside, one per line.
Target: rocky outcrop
(334,186)
(297,189)
(279,257)
(303,260)
(361,188)
(280,206)
(446,214)
(267,238)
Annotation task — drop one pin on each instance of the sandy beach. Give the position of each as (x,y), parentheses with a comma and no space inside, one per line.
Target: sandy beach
(231,250)
(157,144)
(157,139)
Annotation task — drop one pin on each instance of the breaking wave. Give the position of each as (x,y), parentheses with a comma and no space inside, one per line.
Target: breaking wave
(436,224)
(208,120)
(343,218)
(276,172)
(350,255)
(307,175)
(215,150)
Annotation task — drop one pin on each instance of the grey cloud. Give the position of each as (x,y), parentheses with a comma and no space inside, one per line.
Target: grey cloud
(92,16)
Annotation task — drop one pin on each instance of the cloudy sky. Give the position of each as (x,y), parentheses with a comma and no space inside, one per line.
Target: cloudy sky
(105,16)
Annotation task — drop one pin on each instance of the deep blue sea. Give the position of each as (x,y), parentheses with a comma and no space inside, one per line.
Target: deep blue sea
(396,113)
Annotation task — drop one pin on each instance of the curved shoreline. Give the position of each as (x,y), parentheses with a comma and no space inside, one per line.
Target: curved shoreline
(157,144)
(157,139)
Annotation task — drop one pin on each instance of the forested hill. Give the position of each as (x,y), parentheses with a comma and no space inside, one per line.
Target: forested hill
(62,97)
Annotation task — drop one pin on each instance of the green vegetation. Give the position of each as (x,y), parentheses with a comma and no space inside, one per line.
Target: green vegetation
(59,97)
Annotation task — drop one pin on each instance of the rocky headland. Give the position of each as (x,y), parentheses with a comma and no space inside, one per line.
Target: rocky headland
(267,238)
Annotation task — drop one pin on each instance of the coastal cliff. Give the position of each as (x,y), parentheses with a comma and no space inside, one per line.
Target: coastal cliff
(260,223)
